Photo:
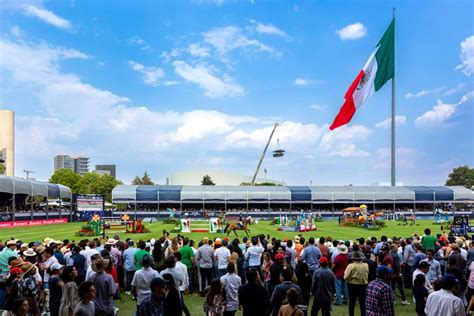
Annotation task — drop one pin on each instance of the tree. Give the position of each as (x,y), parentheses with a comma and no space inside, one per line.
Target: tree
(68,178)
(206,180)
(137,181)
(90,183)
(146,179)
(461,176)
(99,184)
(2,168)
(143,180)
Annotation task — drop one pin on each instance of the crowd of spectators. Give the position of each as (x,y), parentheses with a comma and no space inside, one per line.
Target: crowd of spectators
(259,275)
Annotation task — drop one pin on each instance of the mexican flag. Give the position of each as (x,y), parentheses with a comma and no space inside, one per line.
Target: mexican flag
(379,68)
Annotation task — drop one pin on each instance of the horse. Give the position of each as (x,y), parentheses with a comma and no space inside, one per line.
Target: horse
(234,226)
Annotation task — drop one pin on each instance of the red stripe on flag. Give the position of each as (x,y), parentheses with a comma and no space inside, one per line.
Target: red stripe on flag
(348,108)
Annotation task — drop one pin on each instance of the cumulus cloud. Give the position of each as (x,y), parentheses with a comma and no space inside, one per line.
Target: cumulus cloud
(436,116)
(352,31)
(75,117)
(229,38)
(151,75)
(205,77)
(47,16)
(342,141)
(36,63)
(441,112)
(299,133)
(399,120)
(196,49)
(467,56)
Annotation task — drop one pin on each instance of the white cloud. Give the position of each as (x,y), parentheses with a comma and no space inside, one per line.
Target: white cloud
(318,107)
(151,75)
(399,120)
(16,31)
(341,142)
(72,116)
(304,82)
(135,40)
(47,16)
(38,63)
(195,49)
(406,157)
(207,80)
(300,82)
(352,31)
(168,56)
(138,41)
(170,83)
(441,112)
(467,56)
(268,29)
(199,124)
(454,90)
(226,39)
(468,96)
(440,91)
(419,94)
(436,116)
(297,132)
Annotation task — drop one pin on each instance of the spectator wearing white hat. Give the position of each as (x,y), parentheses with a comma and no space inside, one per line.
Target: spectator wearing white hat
(55,288)
(339,265)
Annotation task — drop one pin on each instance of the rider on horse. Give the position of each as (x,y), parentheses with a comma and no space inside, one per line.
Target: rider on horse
(241,220)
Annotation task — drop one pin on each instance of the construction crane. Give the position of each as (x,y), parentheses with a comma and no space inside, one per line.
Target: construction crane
(28,173)
(263,154)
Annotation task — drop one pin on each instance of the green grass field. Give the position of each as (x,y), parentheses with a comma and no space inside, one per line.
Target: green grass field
(325,228)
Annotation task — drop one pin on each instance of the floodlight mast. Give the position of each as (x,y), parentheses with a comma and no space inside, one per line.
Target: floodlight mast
(263,154)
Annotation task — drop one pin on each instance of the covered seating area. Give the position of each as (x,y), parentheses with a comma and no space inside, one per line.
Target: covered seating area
(290,198)
(26,199)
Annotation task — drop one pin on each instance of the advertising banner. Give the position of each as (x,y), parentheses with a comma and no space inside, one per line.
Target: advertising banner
(38,222)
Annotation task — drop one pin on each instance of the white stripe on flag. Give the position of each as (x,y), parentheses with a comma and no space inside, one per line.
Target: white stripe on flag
(366,88)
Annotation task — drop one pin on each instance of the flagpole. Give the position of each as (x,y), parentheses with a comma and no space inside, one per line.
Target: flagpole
(393,179)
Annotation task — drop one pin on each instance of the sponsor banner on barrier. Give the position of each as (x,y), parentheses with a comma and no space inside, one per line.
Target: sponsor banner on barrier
(38,222)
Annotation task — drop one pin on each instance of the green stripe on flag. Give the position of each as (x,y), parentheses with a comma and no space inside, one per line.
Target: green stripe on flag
(385,57)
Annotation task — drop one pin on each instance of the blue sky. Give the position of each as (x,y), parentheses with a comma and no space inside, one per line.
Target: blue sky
(180,85)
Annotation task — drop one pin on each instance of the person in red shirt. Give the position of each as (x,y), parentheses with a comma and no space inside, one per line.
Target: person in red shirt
(324,250)
(339,265)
